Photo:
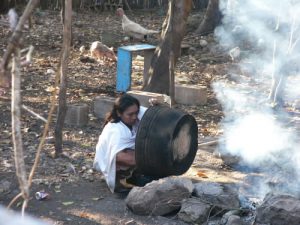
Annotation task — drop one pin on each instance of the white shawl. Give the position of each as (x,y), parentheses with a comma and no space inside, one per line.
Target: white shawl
(114,138)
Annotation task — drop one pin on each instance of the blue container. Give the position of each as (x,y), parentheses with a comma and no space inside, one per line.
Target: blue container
(124,64)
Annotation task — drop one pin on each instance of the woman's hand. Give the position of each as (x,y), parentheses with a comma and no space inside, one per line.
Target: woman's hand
(153,101)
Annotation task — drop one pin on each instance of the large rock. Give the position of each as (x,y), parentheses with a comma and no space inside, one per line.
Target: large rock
(159,197)
(231,217)
(194,211)
(223,196)
(234,220)
(279,210)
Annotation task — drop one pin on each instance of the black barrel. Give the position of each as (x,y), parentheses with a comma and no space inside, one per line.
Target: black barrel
(166,142)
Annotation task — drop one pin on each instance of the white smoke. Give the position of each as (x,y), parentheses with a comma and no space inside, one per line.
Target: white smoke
(268,34)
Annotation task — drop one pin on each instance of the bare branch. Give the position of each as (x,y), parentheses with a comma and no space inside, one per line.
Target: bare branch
(15,39)
(14,200)
(28,57)
(25,203)
(16,126)
(46,129)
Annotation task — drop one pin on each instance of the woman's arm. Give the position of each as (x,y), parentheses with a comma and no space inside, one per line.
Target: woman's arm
(126,158)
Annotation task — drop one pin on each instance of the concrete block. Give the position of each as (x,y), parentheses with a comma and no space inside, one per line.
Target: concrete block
(144,96)
(102,105)
(190,94)
(77,115)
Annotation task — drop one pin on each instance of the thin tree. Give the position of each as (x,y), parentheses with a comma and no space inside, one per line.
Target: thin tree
(62,104)
(211,19)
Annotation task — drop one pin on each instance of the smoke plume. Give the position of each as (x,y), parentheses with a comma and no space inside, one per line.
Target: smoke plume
(267,34)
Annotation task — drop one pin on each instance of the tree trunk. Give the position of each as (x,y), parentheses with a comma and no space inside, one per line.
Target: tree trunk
(62,105)
(211,19)
(159,69)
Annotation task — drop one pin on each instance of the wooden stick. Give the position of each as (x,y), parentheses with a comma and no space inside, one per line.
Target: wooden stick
(34,113)
(194,60)
(208,143)
(46,129)
(26,108)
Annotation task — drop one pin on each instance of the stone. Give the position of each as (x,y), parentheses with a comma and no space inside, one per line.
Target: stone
(159,197)
(194,211)
(222,196)
(203,43)
(190,94)
(226,216)
(5,186)
(144,97)
(103,105)
(77,115)
(228,159)
(234,220)
(278,209)
(185,49)
(192,51)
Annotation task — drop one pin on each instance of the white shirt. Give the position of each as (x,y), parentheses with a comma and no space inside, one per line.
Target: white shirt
(114,138)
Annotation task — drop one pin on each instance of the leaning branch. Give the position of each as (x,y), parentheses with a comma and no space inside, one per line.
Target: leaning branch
(16,129)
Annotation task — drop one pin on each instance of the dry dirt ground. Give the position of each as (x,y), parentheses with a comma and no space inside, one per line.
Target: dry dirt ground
(78,195)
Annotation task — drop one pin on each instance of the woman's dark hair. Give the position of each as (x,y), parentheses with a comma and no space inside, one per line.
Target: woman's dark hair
(120,105)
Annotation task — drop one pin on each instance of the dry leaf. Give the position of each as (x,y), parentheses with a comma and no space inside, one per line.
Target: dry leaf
(201,174)
(50,89)
(67,203)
